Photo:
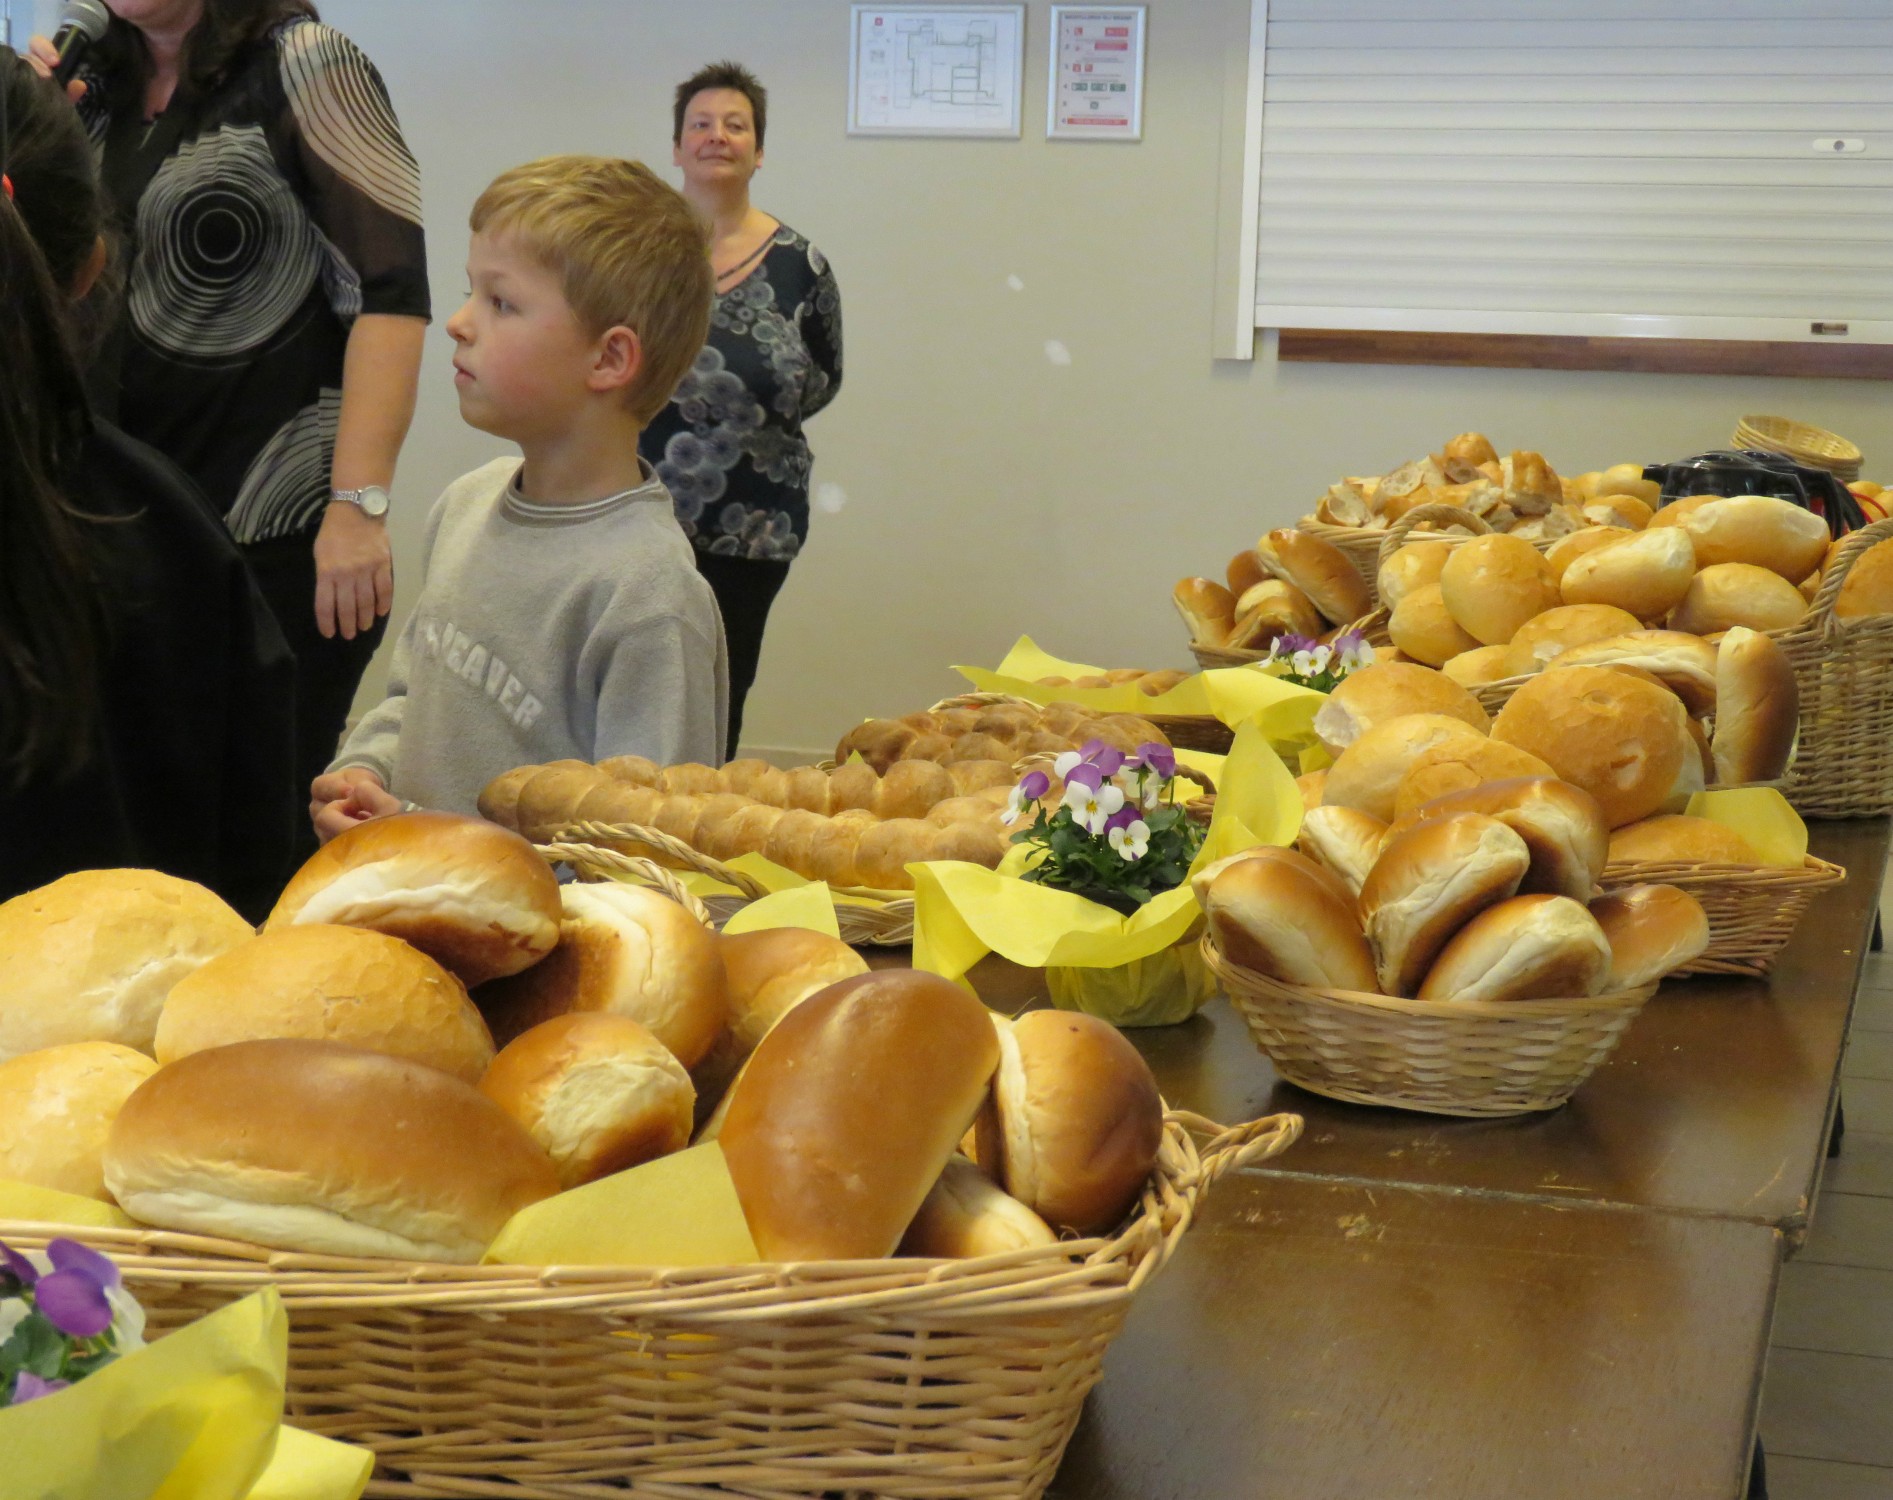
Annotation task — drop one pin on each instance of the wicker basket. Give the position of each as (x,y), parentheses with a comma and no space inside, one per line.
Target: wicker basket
(1752,909)
(915,1380)
(1438,1057)
(1814,446)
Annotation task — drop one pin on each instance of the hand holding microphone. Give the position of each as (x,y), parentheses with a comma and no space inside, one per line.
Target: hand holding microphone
(81,26)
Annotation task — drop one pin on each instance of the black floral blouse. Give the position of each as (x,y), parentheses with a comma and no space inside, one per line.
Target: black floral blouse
(729,447)
(281,208)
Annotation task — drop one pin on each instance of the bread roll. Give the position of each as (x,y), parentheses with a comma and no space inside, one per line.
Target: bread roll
(1413,566)
(766,975)
(91,957)
(1759,530)
(853,786)
(498,801)
(886,850)
(1869,586)
(1624,741)
(849,1109)
(967,1214)
(742,775)
(1280,914)
(1460,764)
(472,896)
(1676,511)
(1568,549)
(629,951)
(1563,828)
(1322,571)
(598,1093)
(1531,487)
(634,770)
(1313,788)
(1673,838)
(911,788)
(1245,570)
(1646,573)
(1731,594)
(1527,948)
(1470,448)
(1626,511)
(1493,584)
(1207,608)
(323,1148)
(1542,640)
(1758,706)
(1273,608)
(1479,666)
(1683,663)
(58,1104)
(1652,930)
(1428,883)
(1367,774)
(1345,841)
(1627,479)
(1389,690)
(332,984)
(1421,627)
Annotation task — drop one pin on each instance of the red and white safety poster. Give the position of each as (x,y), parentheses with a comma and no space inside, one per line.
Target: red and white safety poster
(1097,83)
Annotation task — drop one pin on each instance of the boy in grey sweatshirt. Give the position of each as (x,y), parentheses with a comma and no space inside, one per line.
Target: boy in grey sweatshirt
(562,615)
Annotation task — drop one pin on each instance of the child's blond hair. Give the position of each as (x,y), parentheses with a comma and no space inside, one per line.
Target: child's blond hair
(629,250)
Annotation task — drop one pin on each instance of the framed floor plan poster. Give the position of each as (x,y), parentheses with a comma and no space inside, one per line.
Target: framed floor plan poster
(1096,92)
(935,70)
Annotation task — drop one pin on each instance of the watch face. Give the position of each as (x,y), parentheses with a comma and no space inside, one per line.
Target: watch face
(374,501)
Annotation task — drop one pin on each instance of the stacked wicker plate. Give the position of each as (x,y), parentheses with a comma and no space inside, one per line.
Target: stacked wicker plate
(1814,446)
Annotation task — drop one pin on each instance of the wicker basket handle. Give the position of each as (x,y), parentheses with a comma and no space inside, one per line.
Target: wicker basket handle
(1400,533)
(666,848)
(1227,1147)
(633,867)
(983,700)
(1820,613)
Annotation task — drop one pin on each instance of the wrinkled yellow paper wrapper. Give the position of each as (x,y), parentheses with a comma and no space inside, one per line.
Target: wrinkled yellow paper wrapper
(811,906)
(680,1210)
(37,1205)
(1236,695)
(963,912)
(193,1416)
(1763,817)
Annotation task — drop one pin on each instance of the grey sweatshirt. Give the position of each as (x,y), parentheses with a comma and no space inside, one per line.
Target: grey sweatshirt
(546,633)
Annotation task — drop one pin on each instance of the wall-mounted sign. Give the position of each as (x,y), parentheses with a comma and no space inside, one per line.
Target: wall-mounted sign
(935,70)
(1097,84)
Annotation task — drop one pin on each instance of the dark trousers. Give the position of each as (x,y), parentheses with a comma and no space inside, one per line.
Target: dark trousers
(745,587)
(327,670)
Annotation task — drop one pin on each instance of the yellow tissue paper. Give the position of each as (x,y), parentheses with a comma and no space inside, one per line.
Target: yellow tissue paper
(773,877)
(811,906)
(191,1417)
(679,1210)
(307,1467)
(23,1202)
(1761,815)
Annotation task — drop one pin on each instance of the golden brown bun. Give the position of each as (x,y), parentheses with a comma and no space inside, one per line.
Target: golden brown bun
(1673,838)
(1313,788)
(911,788)
(318,1147)
(1207,608)
(1413,566)
(1652,930)
(598,1093)
(1479,666)
(1421,627)
(471,895)
(329,984)
(1322,571)
(1759,530)
(1646,573)
(1345,841)
(1568,549)
(1074,1121)
(91,957)
(1245,570)
(1388,690)
(1624,741)
(1367,774)
(1531,487)
(499,798)
(1527,948)
(967,1214)
(848,1110)
(1273,608)
(1626,511)
(629,951)
(1627,479)
(1279,913)
(768,974)
(1731,594)
(1470,448)
(1563,829)
(1428,883)
(1493,584)
(58,1104)
(1683,663)
(1869,586)
(1758,707)
(1674,513)
(636,770)
(1541,640)
(1459,765)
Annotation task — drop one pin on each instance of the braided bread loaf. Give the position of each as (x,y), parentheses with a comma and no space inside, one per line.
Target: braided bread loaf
(1000,731)
(1151,684)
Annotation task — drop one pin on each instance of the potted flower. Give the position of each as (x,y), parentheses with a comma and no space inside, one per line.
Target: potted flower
(63,1315)
(1320,665)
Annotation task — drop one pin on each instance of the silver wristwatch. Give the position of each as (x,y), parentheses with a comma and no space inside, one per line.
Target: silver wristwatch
(370,499)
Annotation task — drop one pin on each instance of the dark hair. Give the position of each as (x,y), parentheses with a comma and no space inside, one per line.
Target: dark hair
(721,75)
(51,625)
(227,30)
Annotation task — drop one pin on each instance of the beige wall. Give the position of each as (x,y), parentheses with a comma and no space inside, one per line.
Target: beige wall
(989,491)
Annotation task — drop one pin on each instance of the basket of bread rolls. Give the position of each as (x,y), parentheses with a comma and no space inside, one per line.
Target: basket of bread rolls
(1183,731)
(945,1213)
(1289,584)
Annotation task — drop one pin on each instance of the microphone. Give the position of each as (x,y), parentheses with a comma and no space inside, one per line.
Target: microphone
(81,24)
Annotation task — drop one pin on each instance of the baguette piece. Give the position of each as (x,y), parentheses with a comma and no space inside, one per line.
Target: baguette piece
(1428,883)
(1527,948)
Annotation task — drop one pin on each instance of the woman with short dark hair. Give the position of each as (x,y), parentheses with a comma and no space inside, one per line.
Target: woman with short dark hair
(730,446)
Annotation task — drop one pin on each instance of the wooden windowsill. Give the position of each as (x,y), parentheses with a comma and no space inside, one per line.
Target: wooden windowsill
(1513,351)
